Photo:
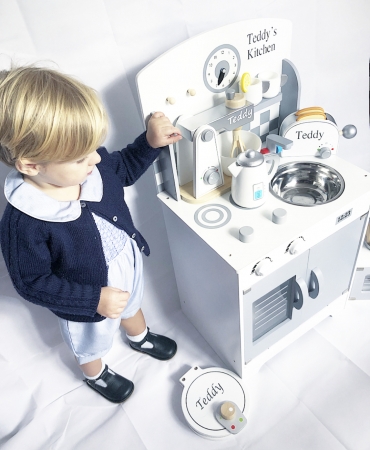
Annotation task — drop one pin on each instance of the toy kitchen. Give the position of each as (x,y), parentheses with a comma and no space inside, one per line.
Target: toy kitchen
(265,221)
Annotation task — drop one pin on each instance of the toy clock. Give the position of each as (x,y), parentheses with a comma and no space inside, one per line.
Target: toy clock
(221,68)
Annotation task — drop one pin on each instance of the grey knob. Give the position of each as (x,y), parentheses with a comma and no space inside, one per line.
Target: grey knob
(246,234)
(279,216)
(212,176)
(207,135)
(230,94)
(324,152)
(349,131)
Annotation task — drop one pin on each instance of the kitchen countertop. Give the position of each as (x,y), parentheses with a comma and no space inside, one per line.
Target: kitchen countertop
(314,223)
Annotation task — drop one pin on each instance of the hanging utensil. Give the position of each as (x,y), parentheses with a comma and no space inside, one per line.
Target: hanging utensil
(237,146)
(235,101)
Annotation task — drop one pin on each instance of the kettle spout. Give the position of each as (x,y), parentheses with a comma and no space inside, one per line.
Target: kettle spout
(235,169)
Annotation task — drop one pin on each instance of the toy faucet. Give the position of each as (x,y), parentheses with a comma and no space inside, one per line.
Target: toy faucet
(276,143)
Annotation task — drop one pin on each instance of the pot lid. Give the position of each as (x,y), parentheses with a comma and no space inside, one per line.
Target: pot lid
(249,158)
(205,391)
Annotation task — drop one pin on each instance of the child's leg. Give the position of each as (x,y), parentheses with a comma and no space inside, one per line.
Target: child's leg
(92,369)
(109,384)
(134,325)
(132,318)
(91,341)
(142,340)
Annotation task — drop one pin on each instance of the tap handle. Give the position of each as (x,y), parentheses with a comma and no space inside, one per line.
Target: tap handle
(274,140)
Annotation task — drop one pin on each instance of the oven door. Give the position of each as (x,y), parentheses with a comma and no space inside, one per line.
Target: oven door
(331,265)
(295,292)
(274,306)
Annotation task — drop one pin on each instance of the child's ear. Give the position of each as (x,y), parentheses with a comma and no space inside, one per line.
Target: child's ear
(27,167)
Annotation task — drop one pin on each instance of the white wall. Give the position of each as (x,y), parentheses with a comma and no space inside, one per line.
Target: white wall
(105,43)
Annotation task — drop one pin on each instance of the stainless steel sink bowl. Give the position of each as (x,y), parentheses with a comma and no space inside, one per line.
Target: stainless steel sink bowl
(307,184)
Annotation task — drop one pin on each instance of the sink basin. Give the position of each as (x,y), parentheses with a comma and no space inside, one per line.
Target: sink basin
(307,184)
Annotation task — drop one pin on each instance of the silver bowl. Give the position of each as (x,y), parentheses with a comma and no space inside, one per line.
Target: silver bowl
(307,184)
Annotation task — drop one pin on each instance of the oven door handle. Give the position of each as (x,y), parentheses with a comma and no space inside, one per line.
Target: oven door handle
(300,293)
(316,281)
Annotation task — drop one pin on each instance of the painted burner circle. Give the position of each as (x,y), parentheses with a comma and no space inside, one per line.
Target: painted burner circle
(212,216)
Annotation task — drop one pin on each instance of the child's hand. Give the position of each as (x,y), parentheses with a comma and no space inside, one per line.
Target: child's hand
(112,302)
(161,132)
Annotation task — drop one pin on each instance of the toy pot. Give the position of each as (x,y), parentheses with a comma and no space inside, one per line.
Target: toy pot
(251,175)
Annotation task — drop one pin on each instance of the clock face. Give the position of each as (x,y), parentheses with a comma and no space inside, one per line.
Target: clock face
(221,68)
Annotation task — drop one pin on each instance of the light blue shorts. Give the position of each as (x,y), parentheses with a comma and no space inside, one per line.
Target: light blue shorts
(92,340)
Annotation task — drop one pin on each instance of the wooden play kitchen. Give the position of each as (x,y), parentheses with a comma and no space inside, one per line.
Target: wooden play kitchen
(252,275)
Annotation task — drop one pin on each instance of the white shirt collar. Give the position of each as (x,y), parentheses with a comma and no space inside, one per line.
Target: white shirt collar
(35,203)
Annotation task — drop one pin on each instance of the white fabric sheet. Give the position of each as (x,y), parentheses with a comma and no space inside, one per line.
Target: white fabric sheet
(315,394)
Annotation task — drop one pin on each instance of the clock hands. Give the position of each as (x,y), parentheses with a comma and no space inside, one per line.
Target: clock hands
(221,76)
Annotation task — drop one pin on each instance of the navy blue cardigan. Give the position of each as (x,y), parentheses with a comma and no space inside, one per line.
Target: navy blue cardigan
(61,266)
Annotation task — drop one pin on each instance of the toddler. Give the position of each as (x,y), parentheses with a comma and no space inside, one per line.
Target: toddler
(67,236)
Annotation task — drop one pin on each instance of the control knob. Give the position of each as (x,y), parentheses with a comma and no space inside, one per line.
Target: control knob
(279,216)
(207,135)
(228,410)
(297,246)
(264,267)
(212,176)
(246,234)
(324,152)
(231,417)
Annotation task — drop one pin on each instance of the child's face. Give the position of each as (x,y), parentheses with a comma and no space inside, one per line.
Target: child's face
(70,173)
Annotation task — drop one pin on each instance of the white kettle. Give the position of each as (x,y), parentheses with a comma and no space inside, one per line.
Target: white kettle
(251,175)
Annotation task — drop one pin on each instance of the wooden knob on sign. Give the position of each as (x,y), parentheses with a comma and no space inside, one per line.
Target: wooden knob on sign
(191,92)
(228,410)
(171,100)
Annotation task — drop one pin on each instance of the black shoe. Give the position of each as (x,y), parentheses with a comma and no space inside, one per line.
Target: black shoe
(112,386)
(160,347)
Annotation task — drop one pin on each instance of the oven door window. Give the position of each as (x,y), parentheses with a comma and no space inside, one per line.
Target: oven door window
(272,309)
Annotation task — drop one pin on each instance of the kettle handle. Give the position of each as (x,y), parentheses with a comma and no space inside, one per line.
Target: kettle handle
(274,166)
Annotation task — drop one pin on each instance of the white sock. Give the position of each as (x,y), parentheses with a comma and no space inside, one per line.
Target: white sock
(139,337)
(96,376)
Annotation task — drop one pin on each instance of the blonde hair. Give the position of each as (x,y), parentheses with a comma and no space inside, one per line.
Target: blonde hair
(48,116)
